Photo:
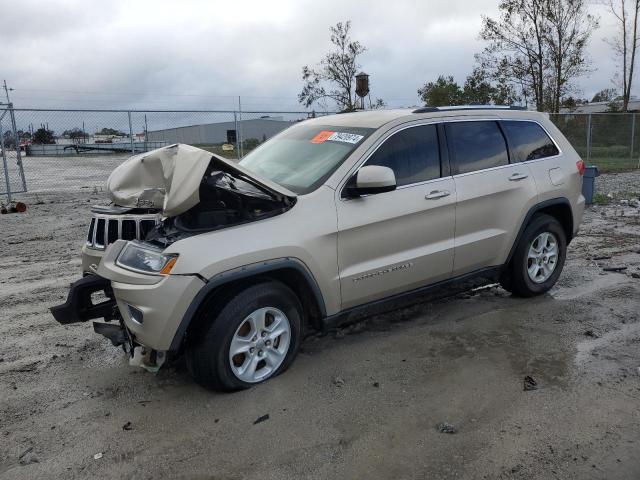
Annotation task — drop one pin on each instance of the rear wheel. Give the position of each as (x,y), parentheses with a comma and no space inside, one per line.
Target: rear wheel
(255,336)
(538,259)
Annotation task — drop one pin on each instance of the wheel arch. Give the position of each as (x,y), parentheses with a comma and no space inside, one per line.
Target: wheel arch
(290,271)
(559,208)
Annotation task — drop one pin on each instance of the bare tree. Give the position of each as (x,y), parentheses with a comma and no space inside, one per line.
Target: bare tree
(516,49)
(334,76)
(538,46)
(569,29)
(626,42)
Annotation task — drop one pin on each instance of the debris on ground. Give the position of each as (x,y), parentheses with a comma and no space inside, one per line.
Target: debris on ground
(445,427)
(338,381)
(261,419)
(614,269)
(602,257)
(530,383)
(376,384)
(127,426)
(28,457)
(97,456)
(591,333)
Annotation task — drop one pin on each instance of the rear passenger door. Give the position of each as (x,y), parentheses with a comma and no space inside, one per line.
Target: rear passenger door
(494,192)
(396,241)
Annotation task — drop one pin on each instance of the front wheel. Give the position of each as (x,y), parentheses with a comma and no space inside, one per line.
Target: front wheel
(255,336)
(538,259)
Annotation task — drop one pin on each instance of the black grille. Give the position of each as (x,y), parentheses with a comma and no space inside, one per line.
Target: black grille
(100,233)
(129,229)
(107,229)
(145,227)
(112,232)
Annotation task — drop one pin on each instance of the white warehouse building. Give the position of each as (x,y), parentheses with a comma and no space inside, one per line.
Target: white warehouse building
(217,133)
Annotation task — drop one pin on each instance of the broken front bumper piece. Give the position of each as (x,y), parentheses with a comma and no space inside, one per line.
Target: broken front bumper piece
(80,307)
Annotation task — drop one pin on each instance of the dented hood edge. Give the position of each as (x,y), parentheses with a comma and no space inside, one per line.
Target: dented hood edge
(169,179)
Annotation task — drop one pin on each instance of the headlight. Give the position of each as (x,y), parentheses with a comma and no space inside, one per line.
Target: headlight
(144,258)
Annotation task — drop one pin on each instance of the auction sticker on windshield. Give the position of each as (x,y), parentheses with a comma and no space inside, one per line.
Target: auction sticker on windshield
(322,136)
(344,137)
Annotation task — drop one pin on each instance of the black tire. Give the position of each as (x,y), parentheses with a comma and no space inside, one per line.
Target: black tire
(515,278)
(207,355)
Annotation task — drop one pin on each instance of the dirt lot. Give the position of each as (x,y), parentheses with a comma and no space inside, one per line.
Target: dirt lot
(363,402)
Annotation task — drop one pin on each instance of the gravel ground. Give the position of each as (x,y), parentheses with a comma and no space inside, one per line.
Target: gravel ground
(368,401)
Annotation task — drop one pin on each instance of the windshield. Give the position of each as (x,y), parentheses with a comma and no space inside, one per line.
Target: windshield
(302,157)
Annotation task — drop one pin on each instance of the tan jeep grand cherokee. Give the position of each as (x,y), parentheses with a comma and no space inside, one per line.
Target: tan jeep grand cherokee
(226,262)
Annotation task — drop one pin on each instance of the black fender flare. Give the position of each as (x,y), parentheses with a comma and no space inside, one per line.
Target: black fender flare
(527,218)
(239,273)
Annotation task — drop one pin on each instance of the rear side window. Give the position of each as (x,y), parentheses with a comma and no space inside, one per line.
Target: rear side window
(476,145)
(528,141)
(413,154)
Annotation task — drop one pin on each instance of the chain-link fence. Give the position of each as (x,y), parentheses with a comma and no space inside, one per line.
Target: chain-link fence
(611,141)
(51,150)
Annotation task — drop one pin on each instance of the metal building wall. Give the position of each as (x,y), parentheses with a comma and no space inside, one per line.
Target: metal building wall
(213,133)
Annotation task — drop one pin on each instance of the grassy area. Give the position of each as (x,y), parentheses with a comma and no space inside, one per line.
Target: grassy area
(612,164)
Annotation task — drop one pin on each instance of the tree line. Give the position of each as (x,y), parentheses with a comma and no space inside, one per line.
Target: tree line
(535,51)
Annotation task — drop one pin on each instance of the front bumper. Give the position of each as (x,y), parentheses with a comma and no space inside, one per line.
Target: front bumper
(149,308)
(161,304)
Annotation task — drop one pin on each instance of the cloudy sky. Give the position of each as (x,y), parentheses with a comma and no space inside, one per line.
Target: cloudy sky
(203,54)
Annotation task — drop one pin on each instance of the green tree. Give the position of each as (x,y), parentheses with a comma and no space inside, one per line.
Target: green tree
(111,131)
(43,135)
(444,91)
(605,95)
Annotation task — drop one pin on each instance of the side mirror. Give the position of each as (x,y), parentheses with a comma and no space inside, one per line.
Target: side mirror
(371,179)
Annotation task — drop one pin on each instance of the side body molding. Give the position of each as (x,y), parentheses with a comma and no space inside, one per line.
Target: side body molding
(238,274)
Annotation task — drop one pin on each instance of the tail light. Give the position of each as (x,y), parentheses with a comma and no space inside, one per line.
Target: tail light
(581,167)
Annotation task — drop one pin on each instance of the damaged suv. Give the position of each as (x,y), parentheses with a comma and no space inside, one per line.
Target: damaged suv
(227,263)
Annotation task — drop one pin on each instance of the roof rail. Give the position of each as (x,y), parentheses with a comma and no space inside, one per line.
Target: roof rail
(468,107)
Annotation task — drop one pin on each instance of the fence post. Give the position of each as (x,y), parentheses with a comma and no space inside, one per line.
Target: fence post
(235,123)
(16,139)
(133,150)
(239,133)
(588,138)
(4,163)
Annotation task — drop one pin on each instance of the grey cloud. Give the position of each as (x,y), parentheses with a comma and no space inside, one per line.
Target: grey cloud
(192,54)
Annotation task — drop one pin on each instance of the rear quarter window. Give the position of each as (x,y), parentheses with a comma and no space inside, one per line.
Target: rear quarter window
(528,141)
(476,145)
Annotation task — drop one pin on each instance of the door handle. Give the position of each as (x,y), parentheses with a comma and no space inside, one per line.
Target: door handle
(435,194)
(518,176)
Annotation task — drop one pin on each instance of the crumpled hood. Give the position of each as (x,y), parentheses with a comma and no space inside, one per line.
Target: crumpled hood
(169,178)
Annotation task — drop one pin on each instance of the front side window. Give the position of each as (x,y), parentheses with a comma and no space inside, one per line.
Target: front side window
(302,157)
(476,145)
(413,154)
(528,141)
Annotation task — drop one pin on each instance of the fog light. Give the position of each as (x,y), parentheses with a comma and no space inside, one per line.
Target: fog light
(135,314)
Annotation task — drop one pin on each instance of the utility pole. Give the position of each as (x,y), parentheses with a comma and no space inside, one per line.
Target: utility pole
(6,90)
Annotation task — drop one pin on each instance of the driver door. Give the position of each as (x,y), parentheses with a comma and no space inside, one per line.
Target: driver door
(396,241)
